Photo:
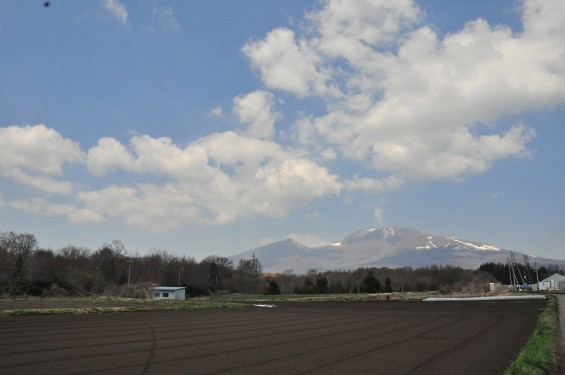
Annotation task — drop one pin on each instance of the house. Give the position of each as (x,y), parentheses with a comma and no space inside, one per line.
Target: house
(169,292)
(555,282)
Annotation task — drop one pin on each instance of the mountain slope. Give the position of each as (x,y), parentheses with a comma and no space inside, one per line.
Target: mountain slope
(381,247)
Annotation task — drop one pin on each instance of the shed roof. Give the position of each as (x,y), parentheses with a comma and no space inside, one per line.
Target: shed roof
(556,277)
(168,288)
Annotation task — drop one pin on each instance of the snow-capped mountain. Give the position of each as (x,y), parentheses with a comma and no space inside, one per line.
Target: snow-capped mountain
(381,247)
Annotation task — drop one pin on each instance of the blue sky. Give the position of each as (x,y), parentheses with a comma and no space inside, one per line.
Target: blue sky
(213,127)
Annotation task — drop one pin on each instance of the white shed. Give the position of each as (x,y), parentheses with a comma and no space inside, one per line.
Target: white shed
(553,282)
(169,292)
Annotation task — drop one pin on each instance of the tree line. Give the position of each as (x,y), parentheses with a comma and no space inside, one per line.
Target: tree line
(27,269)
(524,271)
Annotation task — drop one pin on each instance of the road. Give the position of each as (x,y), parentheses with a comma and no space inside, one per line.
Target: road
(388,337)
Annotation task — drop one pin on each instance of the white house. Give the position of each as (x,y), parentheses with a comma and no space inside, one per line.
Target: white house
(553,282)
(169,292)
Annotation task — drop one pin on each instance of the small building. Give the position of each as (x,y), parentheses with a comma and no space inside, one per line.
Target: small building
(555,282)
(169,292)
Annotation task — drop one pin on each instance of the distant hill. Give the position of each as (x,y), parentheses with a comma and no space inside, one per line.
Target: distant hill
(382,247)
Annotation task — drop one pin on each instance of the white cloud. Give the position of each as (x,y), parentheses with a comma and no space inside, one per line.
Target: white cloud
(544,19)
(109,154)
(398,98)
(288,64)
(328,154)
(117,9)
(217,111)
(378,215)
(213,180)
(374,186)
(152,207)
(40,182)
(353,29)
(282,185)
(410,103)
(34,156)
(164,19)
(256,111)
(216,179)
(44,207)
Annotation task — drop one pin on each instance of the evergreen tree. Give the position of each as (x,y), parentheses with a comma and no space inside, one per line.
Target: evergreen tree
(370,284)
(321,285)
(20,283)
(388,285)
(273,287)
(308,286)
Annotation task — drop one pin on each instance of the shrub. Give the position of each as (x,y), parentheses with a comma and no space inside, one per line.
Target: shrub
(55,291)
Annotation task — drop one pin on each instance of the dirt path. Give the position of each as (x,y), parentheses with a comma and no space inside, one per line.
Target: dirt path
(293,338)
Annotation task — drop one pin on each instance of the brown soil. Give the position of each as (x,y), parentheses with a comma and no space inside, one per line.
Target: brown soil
(55,303)
(293,338)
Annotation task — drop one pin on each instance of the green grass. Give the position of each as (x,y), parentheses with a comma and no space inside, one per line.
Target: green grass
(129,305)
(538,356)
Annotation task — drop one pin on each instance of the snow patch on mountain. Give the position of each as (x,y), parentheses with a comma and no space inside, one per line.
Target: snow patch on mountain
(476,246)
(364,232)
(388,232)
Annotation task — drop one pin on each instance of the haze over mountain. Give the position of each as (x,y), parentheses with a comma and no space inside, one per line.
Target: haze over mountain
(382,247)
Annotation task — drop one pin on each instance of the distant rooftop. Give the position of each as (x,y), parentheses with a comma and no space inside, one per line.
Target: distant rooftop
(168,288)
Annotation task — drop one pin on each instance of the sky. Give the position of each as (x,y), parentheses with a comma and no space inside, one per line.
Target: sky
(215,127)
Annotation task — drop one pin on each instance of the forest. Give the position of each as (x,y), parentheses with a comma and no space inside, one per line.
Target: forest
(27,269)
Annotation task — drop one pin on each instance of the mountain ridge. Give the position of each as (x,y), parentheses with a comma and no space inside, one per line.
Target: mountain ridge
(392,247)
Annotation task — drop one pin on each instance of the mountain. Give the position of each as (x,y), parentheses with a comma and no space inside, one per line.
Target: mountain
(382,247)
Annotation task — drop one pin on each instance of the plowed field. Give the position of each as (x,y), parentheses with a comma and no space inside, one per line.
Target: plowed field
(292,338)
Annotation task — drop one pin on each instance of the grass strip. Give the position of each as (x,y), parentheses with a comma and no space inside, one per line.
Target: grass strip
(170,306)
(320,297)
(538,356)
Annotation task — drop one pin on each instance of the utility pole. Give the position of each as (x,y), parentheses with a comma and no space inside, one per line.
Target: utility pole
(180,269)
(510,274)
(129,269)
(513,268)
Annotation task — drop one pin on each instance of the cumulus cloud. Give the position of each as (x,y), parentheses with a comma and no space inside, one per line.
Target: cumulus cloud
(44,207)
(354,30)
(373,185)
(152,207)
(256,111)
(404,99)
(34,156)
(109,154)
(289,64)
(214,180)
(117,9)
(401,101)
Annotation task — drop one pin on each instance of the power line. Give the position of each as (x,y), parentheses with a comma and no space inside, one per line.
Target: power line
(553,237)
